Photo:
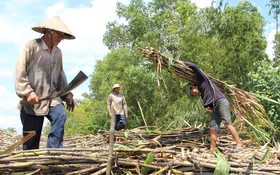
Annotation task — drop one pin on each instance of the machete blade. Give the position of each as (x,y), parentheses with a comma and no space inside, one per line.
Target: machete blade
(77,80)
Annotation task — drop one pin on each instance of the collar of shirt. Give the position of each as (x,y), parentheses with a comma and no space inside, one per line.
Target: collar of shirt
(45,47)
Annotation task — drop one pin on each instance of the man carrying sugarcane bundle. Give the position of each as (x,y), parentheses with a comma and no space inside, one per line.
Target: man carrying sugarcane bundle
(214,101)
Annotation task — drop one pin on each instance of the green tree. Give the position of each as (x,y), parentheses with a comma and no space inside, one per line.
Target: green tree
(276,59)
(150,25)
(226,42)
(265,82)
(275,10)
(11,129)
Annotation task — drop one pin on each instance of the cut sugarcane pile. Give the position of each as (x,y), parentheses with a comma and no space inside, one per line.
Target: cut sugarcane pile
(7,138)
(181,151)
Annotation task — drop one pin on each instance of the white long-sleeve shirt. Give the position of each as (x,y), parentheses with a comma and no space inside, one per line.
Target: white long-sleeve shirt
(37,70)
(117,102)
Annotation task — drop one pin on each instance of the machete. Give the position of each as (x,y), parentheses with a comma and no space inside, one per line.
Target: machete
(77,80)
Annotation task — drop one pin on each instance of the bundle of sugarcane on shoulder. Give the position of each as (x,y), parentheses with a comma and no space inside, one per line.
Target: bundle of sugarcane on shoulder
(244,105)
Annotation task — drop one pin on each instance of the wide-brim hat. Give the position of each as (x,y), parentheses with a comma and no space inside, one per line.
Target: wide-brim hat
(54,23)
(116,86)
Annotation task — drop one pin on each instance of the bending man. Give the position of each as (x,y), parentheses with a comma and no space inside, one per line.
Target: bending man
(213,101)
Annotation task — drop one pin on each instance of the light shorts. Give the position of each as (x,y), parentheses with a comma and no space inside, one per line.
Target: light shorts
(221,112)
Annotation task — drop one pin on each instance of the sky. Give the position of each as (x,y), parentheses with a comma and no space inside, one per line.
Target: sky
(87,19)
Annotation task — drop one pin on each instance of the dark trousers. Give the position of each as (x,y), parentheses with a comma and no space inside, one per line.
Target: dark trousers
(120,122)
(31,123)
(56,116)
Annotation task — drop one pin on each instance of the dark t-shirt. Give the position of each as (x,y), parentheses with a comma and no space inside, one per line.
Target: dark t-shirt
(208,90)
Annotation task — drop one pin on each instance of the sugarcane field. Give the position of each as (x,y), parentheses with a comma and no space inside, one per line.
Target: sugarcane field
(140,87)
(145,151)
(136,151)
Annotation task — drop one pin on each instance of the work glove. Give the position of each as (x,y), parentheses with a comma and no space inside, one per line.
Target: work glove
(70,104)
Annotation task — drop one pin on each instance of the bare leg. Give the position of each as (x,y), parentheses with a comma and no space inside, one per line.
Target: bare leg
(213,142)
(234,134)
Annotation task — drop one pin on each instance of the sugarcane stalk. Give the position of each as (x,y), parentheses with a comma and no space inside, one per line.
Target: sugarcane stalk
(34,172)
(31,153)
(100,172)
(142,114)
(162,170)
(23,140)
(111,143)
(86,170)
(182,147)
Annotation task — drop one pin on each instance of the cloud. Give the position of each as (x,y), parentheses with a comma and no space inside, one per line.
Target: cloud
(88,23)
(270,38)
(9,114)
(11,31)
(202,3)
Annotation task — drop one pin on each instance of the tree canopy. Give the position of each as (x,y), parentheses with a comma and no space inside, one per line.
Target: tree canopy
(225,41)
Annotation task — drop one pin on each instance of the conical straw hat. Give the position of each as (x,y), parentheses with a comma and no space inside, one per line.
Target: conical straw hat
(54,23)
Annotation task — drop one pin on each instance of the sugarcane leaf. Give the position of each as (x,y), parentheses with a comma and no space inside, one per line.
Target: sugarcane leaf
(122,146)
(170,62)
(125,134)
(266,98)
(265,156)
(223,166)
(148,161)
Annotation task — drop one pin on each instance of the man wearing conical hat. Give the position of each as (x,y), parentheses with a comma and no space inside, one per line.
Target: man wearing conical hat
(39,73)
